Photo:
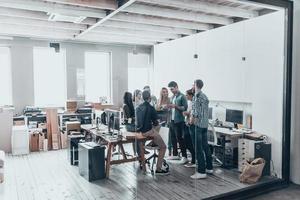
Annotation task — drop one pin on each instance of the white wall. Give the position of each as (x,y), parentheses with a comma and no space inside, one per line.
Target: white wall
(295,137)
(22,68)
(257,80)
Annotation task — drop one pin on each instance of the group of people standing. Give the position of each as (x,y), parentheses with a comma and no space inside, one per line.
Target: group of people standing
(186,115)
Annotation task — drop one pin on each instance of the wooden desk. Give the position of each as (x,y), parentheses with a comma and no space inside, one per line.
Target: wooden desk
(113,141)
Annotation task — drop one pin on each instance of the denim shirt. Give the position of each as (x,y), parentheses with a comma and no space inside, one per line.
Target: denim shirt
(181,102)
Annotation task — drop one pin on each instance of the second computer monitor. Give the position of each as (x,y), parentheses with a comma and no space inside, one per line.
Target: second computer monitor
(234,116)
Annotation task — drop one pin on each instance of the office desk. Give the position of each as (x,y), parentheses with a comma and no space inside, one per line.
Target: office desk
(113,141)
(227,148)
(228,132)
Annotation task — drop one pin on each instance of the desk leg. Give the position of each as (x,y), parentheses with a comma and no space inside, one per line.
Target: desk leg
(123,151)
(108,158)
(142,151)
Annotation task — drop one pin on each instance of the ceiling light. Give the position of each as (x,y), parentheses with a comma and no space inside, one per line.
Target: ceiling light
(65,18)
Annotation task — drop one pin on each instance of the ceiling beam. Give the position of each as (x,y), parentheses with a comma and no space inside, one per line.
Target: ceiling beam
(136,33)
(52,8)
(103,4)
(34,32)
(101,21)
(27,14)
(110,41)
(41,23)
(142,19)
(117,38)
(255,4)
(149,27)
(206,7)
(177,14)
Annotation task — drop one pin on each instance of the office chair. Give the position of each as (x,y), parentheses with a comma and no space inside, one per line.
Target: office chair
(164,133)
(213,142)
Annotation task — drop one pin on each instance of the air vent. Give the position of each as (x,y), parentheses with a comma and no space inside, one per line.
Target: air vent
(65,18)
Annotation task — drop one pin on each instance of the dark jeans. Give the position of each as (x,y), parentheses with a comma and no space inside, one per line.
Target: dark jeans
(188,142)
(177,133)
(202,150)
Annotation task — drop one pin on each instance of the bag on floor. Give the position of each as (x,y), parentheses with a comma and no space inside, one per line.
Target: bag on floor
(252,171)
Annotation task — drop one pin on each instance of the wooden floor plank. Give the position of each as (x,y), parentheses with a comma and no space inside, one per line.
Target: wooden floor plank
(49,176)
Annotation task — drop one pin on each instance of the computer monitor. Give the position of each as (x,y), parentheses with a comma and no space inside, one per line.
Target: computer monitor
(210,112)
(234,116)
(113,120)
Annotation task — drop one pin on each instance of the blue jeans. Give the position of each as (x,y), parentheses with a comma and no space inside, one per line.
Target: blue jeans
(202,150)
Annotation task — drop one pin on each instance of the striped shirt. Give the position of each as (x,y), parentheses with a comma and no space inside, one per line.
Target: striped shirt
(200,109)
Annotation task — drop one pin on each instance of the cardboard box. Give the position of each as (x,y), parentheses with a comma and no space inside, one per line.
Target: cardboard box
(99,106)
(71,106)
(72,126)
(34,142)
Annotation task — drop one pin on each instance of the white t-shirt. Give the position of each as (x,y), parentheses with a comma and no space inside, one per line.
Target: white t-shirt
(173,109)
(189,109)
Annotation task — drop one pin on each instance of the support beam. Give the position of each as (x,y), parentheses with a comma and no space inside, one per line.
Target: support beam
(200,6)
(117,42)
(29,31)
(142,19)
(136,33)
(52,8)
(254,4)
(148,27)
(103,4)
(27,14)
(41,23)
(117,38)
(127,4)
(177,14)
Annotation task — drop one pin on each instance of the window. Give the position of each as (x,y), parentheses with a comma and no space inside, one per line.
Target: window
(49,77)
(139,71)
(80,82)
(97,76)
(5,80)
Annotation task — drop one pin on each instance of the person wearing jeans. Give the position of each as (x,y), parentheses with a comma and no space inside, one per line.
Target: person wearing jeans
(199,117)
(178,106)
(187,133)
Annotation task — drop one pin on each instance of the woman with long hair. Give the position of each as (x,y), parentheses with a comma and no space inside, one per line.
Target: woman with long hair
(163,100)
(129,112)
(137,98)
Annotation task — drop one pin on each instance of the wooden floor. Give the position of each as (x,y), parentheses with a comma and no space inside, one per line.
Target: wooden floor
(48,175)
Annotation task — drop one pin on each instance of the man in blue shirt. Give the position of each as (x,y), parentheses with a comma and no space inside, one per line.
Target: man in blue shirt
(199,117)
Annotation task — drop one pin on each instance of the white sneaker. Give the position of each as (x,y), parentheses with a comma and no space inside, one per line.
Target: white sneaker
(190,165)
(198,175)
(183,161)
(173,158)
(209,171)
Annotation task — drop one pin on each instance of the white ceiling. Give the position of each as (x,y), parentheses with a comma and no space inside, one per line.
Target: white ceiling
(140,22)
